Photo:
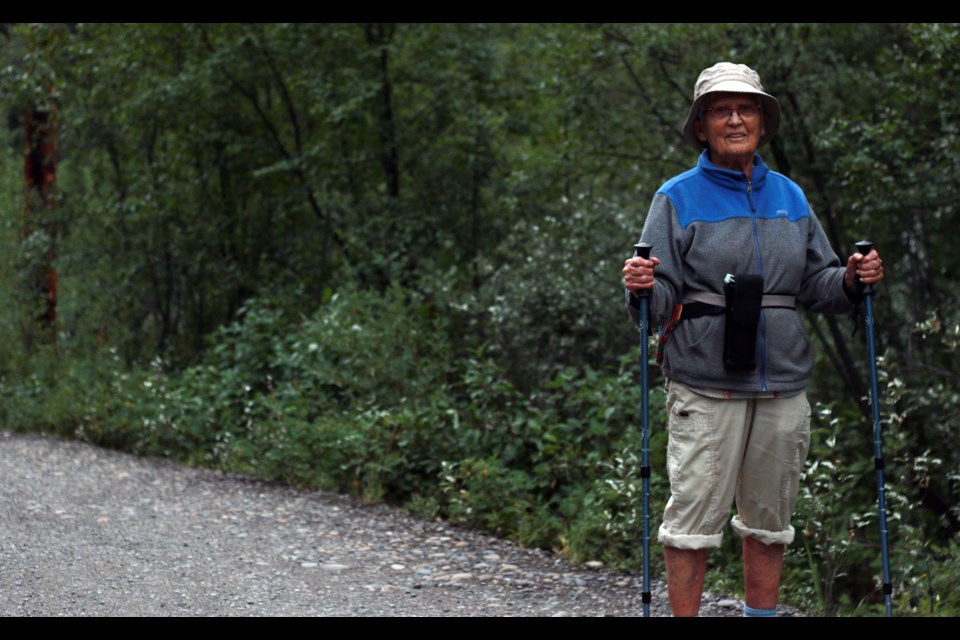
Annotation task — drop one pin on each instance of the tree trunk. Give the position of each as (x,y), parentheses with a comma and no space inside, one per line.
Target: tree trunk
(40,174)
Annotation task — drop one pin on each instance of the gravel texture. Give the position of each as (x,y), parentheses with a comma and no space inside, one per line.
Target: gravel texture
(86,531)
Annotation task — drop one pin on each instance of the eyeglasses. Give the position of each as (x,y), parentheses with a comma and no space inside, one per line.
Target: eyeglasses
(746,111)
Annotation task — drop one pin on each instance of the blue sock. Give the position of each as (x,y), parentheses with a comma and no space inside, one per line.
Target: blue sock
(750,612)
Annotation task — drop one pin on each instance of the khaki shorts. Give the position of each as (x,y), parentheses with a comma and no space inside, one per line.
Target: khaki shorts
(752,450)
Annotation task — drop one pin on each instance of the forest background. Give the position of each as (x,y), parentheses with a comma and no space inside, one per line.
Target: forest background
(384,259)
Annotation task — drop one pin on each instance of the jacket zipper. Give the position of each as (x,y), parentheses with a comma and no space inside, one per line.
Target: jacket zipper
(763,322)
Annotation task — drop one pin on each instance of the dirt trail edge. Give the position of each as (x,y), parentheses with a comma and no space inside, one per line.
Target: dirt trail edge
(86,531)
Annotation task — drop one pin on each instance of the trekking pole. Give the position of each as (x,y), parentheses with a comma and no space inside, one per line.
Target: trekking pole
(643,251)
(864,247)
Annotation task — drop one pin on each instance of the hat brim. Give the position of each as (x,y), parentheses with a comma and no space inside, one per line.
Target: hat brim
(771,109)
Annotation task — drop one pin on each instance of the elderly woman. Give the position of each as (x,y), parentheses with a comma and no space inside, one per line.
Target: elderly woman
(736,247)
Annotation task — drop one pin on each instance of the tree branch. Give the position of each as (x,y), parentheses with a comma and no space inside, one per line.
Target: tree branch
(295,159)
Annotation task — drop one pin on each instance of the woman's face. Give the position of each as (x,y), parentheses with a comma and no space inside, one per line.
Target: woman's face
(732,137)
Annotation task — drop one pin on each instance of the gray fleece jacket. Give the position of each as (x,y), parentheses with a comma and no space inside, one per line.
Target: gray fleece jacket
(708,222)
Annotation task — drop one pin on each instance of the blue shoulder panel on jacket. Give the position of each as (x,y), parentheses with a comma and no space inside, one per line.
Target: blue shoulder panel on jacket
(781,197)
(698,199)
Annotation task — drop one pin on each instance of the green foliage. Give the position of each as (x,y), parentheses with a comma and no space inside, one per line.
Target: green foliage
(831,549)
(838,550)
(385,259)
(612,520)
(485,494)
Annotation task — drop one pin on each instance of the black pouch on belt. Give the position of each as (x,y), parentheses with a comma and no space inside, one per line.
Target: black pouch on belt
(744,295)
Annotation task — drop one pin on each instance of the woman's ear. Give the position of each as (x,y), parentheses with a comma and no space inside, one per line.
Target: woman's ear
(698,130)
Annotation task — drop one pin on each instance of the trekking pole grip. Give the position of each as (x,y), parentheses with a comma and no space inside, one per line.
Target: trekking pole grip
(642,250)
(864,247)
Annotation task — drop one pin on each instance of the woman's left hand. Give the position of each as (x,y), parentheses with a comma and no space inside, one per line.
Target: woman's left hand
(869,268)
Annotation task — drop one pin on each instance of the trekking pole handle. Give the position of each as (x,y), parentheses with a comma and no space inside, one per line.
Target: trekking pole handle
(642,250)
(863,248)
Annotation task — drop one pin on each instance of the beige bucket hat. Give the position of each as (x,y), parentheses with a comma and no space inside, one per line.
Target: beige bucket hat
(727,77)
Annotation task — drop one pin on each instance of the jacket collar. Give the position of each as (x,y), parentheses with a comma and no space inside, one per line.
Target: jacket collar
(733,179)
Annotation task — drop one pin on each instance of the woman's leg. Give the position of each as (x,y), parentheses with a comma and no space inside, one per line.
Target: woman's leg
(762,567)
(685,571)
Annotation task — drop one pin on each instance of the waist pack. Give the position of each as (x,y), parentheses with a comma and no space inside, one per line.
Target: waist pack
(741,303)
(744,297)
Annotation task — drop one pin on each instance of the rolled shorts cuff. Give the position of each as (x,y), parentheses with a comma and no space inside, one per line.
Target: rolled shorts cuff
(688,541)
(762,535)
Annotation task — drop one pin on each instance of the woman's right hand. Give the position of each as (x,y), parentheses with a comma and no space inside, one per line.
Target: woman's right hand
(638,273)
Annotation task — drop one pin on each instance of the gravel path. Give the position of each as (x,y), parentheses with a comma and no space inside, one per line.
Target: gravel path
(86,531)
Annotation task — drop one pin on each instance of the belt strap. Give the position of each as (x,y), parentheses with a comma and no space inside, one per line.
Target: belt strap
(718,300)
